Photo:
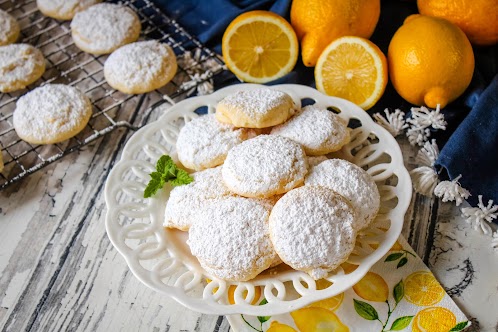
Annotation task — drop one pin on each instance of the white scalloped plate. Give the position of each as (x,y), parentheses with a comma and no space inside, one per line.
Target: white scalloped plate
(160,257)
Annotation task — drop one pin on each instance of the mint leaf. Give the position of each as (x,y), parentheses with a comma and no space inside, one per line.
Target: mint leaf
(365,310)
(182,177)
(460,326)
(399,291)
(164,164)
(166,171)
(400,323)
(393,257)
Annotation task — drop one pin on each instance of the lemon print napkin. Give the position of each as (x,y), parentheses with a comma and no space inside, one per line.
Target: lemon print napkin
(399,293)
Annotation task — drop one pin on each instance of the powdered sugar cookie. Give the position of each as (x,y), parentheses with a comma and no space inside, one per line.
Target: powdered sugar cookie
(63,9)
(265,166)
(315,160)
(259,108)
(20,65)
(9,28)
(102,28)
(312,230)
(140,67)
(317,130)
(204,142)
(185,201)
(51,113)
(350,181)
(231,239)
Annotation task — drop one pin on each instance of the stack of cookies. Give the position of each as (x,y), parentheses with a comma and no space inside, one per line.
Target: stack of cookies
(264,191)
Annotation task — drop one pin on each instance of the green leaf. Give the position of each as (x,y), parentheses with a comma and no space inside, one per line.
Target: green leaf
(263,319)
(399,291)
(401,322)
(365,310)
(182,177)
(402,262)
(460,326)
(393,257)
(164,164)
(152,187)
(263,302)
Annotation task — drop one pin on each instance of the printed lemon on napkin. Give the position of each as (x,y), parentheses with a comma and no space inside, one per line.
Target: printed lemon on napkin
(399,293)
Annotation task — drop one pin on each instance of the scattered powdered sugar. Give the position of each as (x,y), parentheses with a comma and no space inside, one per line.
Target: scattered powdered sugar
(265,166)
(65,8)
(8,27)
(104,27)
(20,65)
(231,238)
(313,161)
(312,230)
(317,130)
(350,181)
(204,142)
(185,201)
(50,112)
(139,64)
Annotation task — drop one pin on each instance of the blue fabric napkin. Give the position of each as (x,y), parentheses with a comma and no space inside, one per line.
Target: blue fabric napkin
(470,147)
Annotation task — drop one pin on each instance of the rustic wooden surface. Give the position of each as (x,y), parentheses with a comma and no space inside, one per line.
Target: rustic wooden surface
(59,271)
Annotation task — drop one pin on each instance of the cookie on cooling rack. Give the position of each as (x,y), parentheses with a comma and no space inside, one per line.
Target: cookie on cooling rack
(259,108)
(204,142)
(9,28)
(103,28)
(140,67)
(50,114)
(230,238)
(265,166)
(311,229)
(319,131)
(350,181)
(63,9)
(20,65)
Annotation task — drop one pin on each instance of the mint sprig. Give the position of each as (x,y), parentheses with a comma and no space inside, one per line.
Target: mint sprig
(166,171)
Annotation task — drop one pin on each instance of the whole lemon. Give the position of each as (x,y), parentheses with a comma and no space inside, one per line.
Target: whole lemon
(477,18)
(318,22)
(430,61)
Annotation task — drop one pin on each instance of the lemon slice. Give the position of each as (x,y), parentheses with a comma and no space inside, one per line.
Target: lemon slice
(259,47)
(352,68)
(422,289)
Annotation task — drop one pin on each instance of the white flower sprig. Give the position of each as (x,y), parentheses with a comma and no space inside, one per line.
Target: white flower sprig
(420,122)
(425,178)
(450,191)
(199,69)
(481,216)
(494,241)
(394,122)
(428,154)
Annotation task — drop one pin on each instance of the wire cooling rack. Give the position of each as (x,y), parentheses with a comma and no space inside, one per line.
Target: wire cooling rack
(197,66)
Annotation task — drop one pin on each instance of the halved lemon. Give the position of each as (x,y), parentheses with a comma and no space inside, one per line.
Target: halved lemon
(352,68)
(260,46)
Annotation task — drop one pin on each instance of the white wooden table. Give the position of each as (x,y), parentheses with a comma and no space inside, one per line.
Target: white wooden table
(59,272)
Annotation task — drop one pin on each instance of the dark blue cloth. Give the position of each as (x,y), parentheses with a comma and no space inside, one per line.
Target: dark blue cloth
(472,145)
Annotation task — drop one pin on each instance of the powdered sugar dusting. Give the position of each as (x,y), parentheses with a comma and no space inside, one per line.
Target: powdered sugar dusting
(65,8)
(351,182)
(312,230)
(264,166)
(184,201)
(104,27)
(313,161)
(317,130)
(204,142)
(50,112)
(8,27)
(231,238)
(140,64)
(20,64)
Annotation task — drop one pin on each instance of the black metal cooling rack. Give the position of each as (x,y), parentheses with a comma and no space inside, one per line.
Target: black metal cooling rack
(197,66)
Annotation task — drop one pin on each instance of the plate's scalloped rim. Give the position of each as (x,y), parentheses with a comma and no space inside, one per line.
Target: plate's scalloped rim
(273,308)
